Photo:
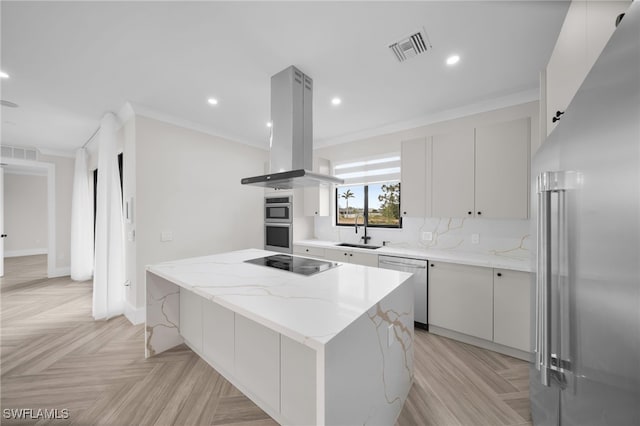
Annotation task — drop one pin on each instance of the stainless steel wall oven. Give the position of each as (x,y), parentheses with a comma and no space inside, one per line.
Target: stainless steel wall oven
(278,224)
(278,209)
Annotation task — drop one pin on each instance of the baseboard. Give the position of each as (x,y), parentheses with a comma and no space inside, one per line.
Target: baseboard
(134,315)
(60,272)
(485,344)
(25,252)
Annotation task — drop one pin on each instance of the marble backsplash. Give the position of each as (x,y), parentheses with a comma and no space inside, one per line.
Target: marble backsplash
(510,238)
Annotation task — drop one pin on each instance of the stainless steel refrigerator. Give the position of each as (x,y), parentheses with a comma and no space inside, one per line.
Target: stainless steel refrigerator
(586,301)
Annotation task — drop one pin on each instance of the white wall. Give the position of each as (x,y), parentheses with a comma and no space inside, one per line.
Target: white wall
(508,236)
(64,169)
(25,214)
(188,183)
(128,132)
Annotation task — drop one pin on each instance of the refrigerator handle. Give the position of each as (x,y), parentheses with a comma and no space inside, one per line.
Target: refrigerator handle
(543,284)
(550,183)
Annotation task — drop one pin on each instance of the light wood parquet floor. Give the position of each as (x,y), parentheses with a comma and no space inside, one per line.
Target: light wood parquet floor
(54,356)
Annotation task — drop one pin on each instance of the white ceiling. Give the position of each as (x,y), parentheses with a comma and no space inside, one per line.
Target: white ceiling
(70,62)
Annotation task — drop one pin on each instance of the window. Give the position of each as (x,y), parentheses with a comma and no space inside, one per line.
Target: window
(371,193)
(373,204)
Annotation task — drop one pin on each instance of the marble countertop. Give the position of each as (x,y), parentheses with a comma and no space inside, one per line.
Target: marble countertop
(516,259)
(308,309)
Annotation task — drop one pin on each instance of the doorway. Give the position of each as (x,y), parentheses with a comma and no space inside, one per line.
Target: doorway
(44,169)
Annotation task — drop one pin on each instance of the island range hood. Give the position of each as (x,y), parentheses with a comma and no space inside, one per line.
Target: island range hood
(291,150)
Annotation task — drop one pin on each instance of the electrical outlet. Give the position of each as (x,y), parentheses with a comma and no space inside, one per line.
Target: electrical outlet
(390,336)
(427,236)
(475,238)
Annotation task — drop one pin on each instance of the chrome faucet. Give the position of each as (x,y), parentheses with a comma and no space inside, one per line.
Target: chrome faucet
(365,237)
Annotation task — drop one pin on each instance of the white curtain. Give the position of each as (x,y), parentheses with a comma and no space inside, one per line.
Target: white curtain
(81,221)
(109,275)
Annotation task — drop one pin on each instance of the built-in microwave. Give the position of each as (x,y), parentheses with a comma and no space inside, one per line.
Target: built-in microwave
(278,209)
(278,237)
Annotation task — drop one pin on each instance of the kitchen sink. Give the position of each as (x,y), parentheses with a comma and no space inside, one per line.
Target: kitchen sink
(364,246)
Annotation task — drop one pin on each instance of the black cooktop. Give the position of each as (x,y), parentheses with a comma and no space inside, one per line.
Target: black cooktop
(298,265)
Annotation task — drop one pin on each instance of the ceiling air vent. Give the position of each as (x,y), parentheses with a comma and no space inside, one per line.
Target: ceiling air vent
(19,153)
(411,46)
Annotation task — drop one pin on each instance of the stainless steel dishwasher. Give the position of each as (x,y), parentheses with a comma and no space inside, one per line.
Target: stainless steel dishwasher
(418,267)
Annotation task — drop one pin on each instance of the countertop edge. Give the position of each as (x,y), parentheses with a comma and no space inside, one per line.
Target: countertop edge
(459,257)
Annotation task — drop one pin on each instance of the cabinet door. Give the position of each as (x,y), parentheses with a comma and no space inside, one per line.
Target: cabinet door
(453,174)
(191,318)
(337,255)
(568,63)
(366,259)
(415,198)
(461,298)
(587,28)
(511,309)
(257,360)
(601,23)
(218,335)
(316,201)
(297,382)
(502,170)
(308,251)
(316,198)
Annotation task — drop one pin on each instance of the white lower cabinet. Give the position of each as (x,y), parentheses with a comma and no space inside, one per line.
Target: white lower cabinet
(461,298)
(337,255)
(310,251)
(257,360)
(218,335)
(365,259)
(485,303)
(351,256)
(191,318)
(511,308)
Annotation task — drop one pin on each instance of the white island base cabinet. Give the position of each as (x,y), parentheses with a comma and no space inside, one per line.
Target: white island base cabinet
(362,375)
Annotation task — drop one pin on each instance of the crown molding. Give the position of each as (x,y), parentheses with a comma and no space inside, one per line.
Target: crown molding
(57,152)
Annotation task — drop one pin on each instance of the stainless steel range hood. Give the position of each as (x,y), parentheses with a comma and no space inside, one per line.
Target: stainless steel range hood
(291,154)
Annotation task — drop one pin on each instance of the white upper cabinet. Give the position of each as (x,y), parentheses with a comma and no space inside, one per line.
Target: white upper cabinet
(415,199)
(567,65)
(585,31)
(316,198)
(453,174)
(502,170)
(482,172)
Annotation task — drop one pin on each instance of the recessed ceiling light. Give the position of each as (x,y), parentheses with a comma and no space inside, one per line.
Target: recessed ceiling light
(4,74)
(269,124)
(453,59)
(336,101)
(213,101)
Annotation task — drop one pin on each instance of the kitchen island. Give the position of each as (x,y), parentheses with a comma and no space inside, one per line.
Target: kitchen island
(331,348)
